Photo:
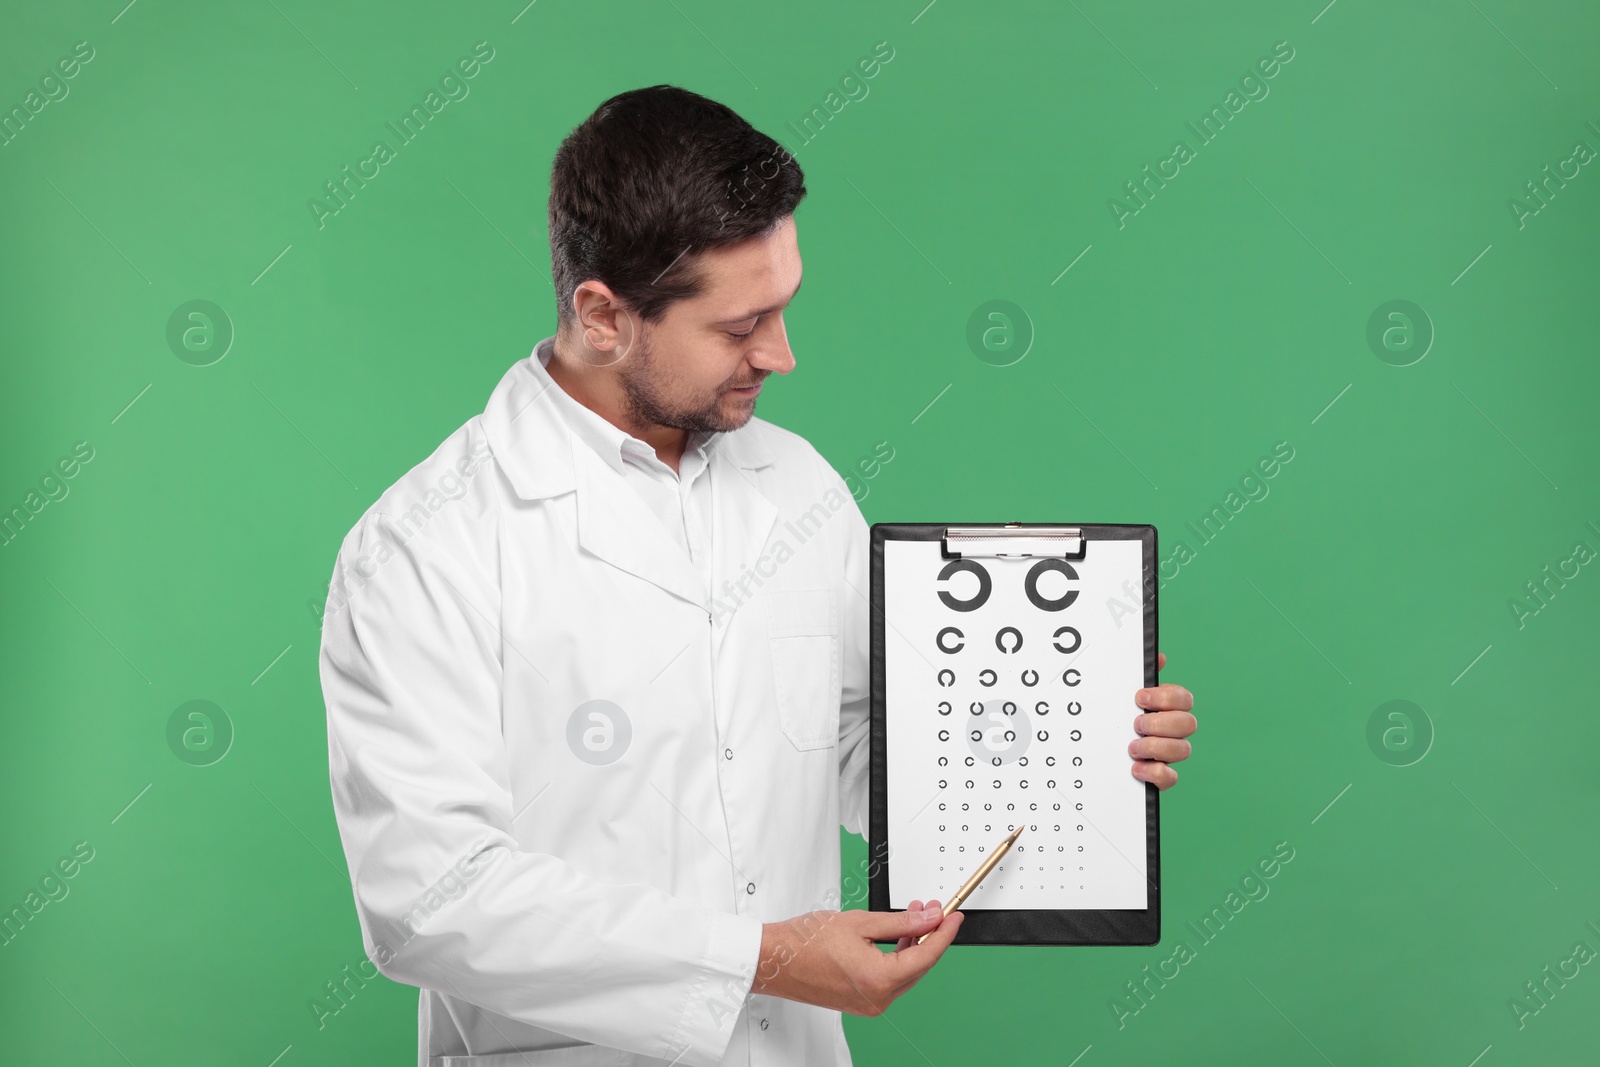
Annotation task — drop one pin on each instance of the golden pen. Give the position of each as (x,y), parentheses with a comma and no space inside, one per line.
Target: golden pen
(977,876)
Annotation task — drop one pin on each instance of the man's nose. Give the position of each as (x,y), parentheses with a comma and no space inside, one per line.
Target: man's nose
(773,353)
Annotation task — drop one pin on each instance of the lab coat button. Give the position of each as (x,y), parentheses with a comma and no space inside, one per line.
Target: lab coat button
(728,752)
(763,1024)
(751,888)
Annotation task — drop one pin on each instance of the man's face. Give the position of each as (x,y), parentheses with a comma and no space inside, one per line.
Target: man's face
(701,366)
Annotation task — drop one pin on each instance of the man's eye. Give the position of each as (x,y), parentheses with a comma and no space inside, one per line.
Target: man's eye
(746,333)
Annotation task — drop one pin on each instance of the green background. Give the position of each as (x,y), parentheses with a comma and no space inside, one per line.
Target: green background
(190,555)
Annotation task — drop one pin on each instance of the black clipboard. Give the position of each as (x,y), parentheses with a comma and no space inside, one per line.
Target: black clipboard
(1016,927)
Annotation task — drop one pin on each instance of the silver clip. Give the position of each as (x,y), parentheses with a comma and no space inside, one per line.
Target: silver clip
(1014,539)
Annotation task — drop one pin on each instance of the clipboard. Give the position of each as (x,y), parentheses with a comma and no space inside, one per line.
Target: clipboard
(1005,657)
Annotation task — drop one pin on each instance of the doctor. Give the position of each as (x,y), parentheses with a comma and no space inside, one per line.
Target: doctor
(596,670)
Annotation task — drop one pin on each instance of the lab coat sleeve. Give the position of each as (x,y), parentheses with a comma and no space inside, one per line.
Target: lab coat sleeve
(410,666)
(855,707)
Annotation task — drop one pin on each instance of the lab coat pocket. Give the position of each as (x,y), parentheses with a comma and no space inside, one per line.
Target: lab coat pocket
(803,633)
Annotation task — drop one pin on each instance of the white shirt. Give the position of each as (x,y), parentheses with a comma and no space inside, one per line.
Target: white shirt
(571,782)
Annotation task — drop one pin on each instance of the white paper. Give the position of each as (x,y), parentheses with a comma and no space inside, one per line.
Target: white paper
(1084,842)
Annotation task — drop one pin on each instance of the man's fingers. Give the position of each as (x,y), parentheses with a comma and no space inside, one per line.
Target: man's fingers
(1162,730)
(915,961)
(1154,771)
(1165,749)
(1165,697)
(882,925)
(1165,724)
(915,905)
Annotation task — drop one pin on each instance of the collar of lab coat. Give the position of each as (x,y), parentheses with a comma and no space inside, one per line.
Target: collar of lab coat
(538,451)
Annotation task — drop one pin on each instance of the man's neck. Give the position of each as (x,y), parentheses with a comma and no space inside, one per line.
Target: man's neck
(598,389)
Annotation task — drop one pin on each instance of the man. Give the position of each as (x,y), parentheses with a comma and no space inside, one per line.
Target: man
(595,714)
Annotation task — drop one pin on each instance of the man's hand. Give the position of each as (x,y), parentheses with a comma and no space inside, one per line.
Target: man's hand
(830,959)
(1162,731)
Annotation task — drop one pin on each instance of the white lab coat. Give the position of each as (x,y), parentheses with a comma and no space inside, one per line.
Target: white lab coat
(553,907)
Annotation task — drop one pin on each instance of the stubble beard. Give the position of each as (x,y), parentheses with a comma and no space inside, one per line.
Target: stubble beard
(648,405)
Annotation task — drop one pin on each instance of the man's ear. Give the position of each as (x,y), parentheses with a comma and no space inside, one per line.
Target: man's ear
(604,326)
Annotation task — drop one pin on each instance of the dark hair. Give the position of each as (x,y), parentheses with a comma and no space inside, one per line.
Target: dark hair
(649,181)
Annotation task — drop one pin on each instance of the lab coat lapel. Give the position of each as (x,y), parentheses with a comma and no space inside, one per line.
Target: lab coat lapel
(534,448)
(616,525)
